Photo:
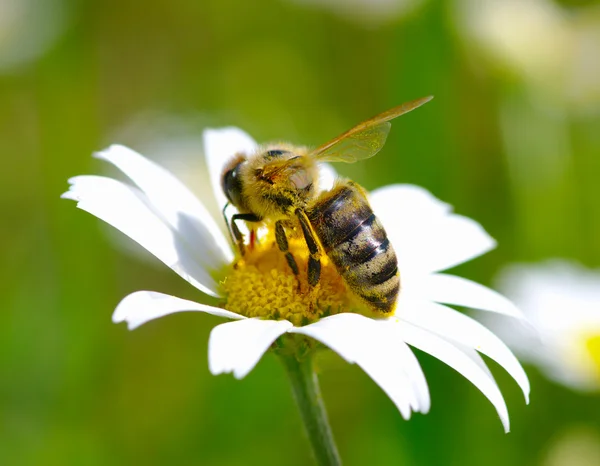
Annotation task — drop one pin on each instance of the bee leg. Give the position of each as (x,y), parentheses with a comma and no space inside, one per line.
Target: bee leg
(239,239)
(314,258)
(228,223)
(282,243)
(237,234)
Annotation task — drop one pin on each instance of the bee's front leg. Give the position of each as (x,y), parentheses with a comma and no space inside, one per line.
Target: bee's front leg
(237,234)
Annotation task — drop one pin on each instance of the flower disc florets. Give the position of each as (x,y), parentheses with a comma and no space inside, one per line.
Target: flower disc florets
(263,285)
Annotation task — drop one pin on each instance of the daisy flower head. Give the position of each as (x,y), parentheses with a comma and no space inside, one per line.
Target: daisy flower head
(561,301)
(271,307)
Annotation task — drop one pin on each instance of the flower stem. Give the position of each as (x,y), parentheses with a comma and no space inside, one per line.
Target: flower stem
(310,402)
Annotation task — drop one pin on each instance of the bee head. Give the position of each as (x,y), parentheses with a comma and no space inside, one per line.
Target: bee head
(231,182)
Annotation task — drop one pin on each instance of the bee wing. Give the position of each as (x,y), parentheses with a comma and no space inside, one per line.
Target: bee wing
(365,139)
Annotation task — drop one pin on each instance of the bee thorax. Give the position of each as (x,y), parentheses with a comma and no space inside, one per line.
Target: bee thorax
(301,180)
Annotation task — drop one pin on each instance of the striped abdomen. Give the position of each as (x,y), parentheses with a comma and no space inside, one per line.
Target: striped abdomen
(355,241)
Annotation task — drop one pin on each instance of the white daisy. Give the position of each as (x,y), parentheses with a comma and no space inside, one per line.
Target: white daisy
(260,294)
(561,301)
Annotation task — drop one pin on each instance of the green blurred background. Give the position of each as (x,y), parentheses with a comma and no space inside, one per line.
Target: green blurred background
(511,139)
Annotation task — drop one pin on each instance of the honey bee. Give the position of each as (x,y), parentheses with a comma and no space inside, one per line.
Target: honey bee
(277,185)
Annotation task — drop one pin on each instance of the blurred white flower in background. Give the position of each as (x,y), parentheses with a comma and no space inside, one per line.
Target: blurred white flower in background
(583,87)
(543,61)
(561,300)
(554,50)
(574,446)
(27,29)
(530,37)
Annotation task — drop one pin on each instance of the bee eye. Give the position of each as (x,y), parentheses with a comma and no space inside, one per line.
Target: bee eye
(232,185)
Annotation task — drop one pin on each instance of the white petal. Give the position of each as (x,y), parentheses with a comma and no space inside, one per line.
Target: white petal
(237,346)
(363,341)
(458,327)
(464,363)
(412,368)
(422,202)
(128,210)
(426,235)
(176,204)
(451,289)
(417,377)
(475,357)
(220,145)
(143,306)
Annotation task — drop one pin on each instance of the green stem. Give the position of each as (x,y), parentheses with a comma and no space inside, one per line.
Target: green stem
(308,397)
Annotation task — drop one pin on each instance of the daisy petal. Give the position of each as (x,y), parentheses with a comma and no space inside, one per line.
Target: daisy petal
(220,145)
(143,306)
(475,356)
(458,327)
(176,204)
(238,346)
(465,364)
(127,209)
(451,289)
(412,368)
(422,202)
(363,341)
(417,377)
(426,235)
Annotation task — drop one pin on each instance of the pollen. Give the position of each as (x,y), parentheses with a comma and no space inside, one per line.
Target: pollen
(262,284)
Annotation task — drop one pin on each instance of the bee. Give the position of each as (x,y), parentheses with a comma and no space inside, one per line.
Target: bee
(277,185)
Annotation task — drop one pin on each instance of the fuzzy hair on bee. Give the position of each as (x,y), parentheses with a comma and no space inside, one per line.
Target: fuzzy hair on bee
(277,180)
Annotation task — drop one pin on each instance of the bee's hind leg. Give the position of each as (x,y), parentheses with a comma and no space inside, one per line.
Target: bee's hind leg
(282,243)
(314,258)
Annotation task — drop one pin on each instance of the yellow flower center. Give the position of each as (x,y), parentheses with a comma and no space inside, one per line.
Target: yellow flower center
(262,284)
(593,347)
